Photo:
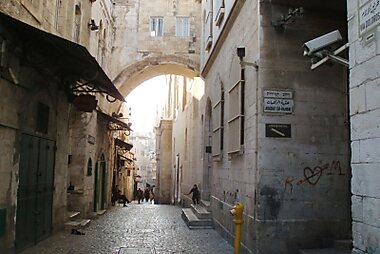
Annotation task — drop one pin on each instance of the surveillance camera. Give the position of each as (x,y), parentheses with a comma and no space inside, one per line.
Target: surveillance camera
(321,42)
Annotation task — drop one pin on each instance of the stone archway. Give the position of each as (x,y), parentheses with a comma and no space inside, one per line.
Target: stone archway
(135,74)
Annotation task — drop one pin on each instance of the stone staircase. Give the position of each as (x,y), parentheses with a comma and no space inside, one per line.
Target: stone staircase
(75,223)
(340,247)
(198,216)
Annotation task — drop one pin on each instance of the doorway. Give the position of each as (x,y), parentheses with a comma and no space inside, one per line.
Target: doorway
(100,190)
(35,191)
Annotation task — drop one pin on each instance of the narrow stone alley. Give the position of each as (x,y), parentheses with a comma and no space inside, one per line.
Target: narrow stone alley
(138,228)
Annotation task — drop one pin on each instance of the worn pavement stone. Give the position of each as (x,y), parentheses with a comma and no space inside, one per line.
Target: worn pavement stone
(138,228)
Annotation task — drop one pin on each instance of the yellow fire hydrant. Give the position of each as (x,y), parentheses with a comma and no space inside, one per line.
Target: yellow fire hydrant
(237,213)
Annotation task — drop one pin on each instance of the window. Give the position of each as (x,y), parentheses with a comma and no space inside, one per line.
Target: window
(157,26)
(57,13)
(219,12)
(182,28)
(208,31)
(218,123)
(236,117)
(77,22)
(89,167)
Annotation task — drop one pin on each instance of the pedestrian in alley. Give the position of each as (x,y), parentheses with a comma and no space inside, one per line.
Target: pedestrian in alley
(118,197)
(151,197)
(140,195)
(196,194)
(146,194)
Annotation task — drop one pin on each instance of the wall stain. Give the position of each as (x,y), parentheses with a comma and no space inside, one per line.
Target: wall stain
(272,203)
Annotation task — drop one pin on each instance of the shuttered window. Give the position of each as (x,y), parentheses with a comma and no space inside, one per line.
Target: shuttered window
(218,125)
(236,117)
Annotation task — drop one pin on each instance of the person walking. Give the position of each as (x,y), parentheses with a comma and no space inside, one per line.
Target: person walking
(147,194)
(196,194)
(139,195)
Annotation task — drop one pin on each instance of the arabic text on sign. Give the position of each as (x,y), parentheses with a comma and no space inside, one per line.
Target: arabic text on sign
(278,105)
(369,16)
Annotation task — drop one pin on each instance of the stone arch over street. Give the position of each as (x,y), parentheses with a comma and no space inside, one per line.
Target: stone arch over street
(135,74)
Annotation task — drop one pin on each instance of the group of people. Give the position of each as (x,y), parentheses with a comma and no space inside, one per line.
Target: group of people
(147,194)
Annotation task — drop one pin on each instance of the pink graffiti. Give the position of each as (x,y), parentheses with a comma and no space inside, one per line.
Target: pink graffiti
(313,175)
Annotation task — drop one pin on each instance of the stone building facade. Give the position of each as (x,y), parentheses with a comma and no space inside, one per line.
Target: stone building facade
(59,154)
(280,133)
(363,34)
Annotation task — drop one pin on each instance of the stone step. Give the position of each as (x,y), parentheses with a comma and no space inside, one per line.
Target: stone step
(193,222)
(324,251)
(201,212)
(101,212)
(206,204)
(76,224)
(73,215)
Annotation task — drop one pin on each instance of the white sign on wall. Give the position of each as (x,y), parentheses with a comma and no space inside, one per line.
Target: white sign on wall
(277,101)
(369,16)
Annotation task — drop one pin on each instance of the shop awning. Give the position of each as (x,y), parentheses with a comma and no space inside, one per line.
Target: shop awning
(117,124)
(122,144)
(64,58)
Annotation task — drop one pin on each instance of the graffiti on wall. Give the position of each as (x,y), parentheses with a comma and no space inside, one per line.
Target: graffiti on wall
(312,175)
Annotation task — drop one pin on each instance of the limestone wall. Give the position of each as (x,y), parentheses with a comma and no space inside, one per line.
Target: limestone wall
(164,161)
(294,187)
(137,50)
(364,112)
(18,117)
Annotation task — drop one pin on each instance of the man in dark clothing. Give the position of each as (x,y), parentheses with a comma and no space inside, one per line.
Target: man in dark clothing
(117,196)
(140,195)
(196,194)
(147,194)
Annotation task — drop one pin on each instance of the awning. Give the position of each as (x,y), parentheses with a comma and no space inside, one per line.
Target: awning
(122,144)
(119,125)
(64,58)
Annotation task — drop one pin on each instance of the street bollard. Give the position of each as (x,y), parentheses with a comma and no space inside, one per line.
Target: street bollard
(237,213)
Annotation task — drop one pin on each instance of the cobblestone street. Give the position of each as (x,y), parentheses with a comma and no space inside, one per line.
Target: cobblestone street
(138,228)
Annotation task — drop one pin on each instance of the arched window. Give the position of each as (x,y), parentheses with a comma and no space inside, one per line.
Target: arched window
(89,167)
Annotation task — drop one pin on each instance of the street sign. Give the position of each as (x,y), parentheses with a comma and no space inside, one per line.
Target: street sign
(278,130)
(278,101)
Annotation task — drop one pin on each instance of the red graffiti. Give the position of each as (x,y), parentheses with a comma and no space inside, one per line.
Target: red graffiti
(313,175)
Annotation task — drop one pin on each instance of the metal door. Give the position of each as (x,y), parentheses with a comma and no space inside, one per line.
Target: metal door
(100,190)
(35,191)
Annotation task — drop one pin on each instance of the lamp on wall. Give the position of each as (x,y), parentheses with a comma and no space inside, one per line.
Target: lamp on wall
(240,52)
(92,25)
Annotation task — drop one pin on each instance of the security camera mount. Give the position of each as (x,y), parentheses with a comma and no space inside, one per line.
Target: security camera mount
(333,56)
(321,49)
(289,18)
